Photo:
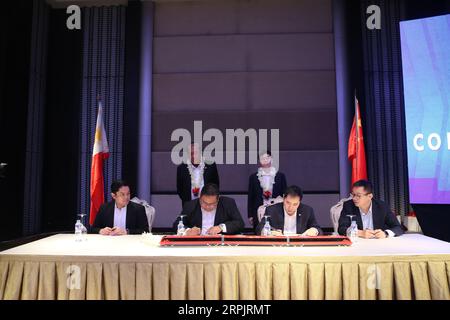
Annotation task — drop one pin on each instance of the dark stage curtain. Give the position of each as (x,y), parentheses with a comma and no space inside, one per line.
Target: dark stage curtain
(383,107)
(34,154)
(102,77)
(15,41)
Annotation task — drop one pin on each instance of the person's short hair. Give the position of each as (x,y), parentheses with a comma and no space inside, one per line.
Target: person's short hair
(117,184)
(210,189)
(367,185)
(293,191)
(268,152)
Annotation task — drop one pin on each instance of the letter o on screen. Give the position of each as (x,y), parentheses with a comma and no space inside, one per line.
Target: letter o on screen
(436,146)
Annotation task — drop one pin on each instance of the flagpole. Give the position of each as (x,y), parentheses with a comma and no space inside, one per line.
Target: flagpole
(99,101)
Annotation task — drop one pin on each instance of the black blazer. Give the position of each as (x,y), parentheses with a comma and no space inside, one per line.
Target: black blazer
(255,196)
(184,187)
(305,218)
(226,212)
(382,216)
(136,221)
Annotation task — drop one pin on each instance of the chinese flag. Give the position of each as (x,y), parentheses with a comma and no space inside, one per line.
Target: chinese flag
(100,153)
(356,152)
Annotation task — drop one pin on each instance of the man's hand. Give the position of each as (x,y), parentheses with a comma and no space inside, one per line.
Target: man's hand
(311,232)
(276,232)
(193,231)
(250,220)
(105,231)
(379,234)
(214,230)
(116,231)
(366,234)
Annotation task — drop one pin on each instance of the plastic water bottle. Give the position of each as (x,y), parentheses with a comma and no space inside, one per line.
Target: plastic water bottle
(83,232)
(352,232)
(181,228)
(78,231)
(267,228)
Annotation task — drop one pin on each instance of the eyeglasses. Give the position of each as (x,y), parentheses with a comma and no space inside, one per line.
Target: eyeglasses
(122,195)
(359,195)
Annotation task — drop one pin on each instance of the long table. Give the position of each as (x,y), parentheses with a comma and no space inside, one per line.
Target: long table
(137,267)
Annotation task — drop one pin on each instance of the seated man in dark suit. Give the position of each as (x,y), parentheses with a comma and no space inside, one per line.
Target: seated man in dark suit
(211,214)
(373,217)
(120,216)
(291,216)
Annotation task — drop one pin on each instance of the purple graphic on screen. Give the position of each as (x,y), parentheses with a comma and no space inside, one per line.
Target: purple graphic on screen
(425,47)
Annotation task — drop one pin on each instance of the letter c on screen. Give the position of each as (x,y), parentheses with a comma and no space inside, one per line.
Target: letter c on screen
(416,140)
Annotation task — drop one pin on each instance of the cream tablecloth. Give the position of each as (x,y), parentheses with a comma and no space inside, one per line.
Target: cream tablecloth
(135,267)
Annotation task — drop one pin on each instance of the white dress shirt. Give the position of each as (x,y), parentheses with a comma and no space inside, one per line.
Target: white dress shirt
(266,182)
(197,176)
(120,217)
(207,220)
(290,223)
(367,220)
